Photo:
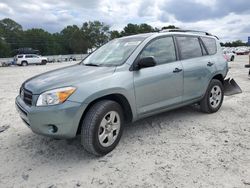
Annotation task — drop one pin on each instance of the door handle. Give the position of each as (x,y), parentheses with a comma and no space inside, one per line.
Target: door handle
(210,64)
(177,70)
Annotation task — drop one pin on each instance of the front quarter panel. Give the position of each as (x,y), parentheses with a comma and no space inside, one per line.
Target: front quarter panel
(120,82)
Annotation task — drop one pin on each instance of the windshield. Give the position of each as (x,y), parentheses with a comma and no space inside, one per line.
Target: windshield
(113,53)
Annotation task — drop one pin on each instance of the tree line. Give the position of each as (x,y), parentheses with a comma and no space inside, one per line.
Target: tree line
(234,43)
(71,40)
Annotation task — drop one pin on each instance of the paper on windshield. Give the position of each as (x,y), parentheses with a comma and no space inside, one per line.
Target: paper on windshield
(132,43)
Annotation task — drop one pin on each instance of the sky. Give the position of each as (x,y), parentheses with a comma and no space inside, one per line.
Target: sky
(228,19)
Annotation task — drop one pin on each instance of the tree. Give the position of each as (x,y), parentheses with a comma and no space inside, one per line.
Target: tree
(145,28)
(96,33)
(78,42)
(132,29)
(5,50)
(66,37)
(234,44)
(238,43)
(10,25)
(170,27)
(114,34)
(11,32)
(38,39)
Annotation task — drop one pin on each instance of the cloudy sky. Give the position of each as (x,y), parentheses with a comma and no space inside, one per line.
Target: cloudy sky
(229,19)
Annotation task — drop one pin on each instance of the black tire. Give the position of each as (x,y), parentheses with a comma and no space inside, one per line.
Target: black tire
(232,58)
(24,63)
(205,103)
(44,62)
(91,127)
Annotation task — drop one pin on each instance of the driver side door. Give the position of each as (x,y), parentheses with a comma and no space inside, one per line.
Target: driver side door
(161,86)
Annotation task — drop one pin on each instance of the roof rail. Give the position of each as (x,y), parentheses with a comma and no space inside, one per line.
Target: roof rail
(187,31)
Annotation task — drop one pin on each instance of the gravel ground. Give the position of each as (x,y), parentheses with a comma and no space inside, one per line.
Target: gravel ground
(180,148)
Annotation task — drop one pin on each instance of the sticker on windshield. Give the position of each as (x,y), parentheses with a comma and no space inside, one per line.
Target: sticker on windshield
(132,43)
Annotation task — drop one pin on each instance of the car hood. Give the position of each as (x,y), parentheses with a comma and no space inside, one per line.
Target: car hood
(69,76)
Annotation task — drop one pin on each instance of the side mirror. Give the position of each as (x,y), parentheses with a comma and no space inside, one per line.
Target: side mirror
(146,62)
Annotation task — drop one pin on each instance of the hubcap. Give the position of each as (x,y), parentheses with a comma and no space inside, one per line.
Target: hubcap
(215,96)
(109,128)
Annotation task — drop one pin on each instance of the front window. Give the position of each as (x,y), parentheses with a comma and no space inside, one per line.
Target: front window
(113,53)
(162,49)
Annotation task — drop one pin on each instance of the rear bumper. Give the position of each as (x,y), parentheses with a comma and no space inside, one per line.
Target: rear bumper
(66,117)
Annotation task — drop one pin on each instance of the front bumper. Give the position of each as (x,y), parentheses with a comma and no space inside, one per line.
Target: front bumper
(66,117)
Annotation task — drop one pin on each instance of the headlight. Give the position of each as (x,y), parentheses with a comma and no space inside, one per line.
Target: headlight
(55,96)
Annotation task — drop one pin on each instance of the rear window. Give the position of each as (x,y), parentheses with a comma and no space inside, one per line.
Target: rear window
(189,47)
(210,44)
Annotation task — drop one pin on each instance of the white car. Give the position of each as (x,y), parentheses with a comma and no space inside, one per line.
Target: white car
(229,56)
(29,59)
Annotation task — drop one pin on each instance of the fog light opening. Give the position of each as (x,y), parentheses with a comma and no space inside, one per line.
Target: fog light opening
(52,128)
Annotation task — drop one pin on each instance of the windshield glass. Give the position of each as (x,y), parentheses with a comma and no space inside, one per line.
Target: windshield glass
(113,53)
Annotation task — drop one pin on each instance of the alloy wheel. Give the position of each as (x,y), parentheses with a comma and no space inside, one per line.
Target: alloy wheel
(109,129)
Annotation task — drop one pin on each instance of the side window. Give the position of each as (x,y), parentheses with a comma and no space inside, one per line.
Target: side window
(20,56)
(28,56)
(210,44)
(162,49)
(189,47)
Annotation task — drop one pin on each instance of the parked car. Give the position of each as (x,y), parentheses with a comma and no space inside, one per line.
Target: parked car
(125,80)
(72,58)
(5,63)
(229,56)
(242,50)
(29,59)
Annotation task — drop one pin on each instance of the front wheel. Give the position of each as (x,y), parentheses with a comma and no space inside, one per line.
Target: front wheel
(102,127)
(232,58)
(213,98)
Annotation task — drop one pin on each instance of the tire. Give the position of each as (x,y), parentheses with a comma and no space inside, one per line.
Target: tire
(24,63)
(232,58)
(44,62)
(99,135)
(213,98)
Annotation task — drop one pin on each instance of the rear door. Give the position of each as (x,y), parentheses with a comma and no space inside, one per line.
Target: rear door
(160,86)
(30,59)
(197,64)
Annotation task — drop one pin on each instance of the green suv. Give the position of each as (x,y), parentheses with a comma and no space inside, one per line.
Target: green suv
(127,79)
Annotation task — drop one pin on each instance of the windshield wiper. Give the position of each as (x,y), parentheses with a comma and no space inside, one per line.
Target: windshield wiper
(91,64)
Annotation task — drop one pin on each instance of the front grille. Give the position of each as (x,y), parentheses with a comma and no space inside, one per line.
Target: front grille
(26,95)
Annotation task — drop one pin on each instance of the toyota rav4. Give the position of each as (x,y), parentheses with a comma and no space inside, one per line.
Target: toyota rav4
(127,79)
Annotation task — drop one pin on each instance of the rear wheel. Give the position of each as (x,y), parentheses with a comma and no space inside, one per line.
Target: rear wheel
(24,63)
(213,98)
(102,127)
(44,62)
